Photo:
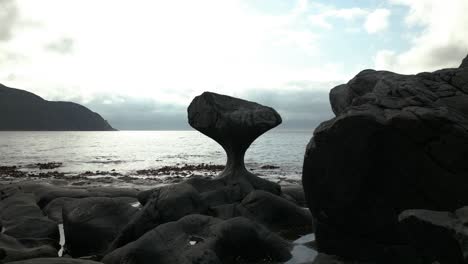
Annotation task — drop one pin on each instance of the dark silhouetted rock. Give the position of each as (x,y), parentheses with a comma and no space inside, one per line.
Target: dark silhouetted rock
(21,110)
(91,224)
(438,236)
(233,123)
(54,261)
(464,63)
(22,218)
(274,212)
(398,142)
(12,250)
(53,210)
(165,204)
(204,239)
(294,193)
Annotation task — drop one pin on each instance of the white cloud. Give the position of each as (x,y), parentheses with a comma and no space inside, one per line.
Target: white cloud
(348,14)
(170,50)
(442,43)
(377,21)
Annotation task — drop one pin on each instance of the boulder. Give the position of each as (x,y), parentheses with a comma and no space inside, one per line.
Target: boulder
(203,239)
(54,261)
(464,63)
(233,123)
(165,204)
(294,193)
(91,224)
(397,142)
(53,210)
(12,249)
(22,218)
(438,236)
(274,212)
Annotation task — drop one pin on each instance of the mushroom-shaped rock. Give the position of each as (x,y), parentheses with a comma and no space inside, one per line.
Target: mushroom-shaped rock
(234,123)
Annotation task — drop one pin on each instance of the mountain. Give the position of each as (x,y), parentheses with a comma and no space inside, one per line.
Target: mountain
(22,110)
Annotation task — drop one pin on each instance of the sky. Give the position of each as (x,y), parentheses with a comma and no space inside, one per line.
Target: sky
(139,63)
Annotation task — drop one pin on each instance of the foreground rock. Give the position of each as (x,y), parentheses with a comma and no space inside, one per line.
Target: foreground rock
(11,249)
(233,123)
(91,224)
(203,239)
(54,261)
(438,236)
(398,142)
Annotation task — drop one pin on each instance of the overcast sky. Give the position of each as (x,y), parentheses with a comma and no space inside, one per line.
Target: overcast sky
(139,63)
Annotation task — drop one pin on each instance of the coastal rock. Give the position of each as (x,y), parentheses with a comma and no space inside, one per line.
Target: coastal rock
(91,224)
(165,204)
(295,194)
(203,239)
(12,249)
(398,142)
(22,218)
(275,212)
(464,63)
(54,261)
(53,210)
(233,123)
(22,110)
(438,236)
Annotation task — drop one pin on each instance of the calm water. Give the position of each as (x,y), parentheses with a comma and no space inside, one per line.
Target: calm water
(128,151)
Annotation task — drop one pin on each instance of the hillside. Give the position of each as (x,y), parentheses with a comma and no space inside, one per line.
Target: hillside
(22,110)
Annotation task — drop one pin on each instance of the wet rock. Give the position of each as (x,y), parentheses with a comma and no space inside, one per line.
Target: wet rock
(398,142)
(204,239)
(294,193)
(165,204)
(438,236)
(53,210)
(233,123)
(54,261)
(12,249)
(275,212)
(22,218)
(91,224)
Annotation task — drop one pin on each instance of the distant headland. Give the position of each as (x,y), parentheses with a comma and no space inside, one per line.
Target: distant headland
(24,111)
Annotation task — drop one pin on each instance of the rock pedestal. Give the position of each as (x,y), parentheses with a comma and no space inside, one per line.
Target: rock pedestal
(234,123)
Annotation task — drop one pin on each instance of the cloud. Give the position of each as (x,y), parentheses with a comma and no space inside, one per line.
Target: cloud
(63,45)
(377,21)
(348,14)
(8,17)
(441,40)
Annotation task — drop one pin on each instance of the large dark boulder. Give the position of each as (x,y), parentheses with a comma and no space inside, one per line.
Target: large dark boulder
(438,236)
(164,204)
(203,239)
(397,142)
(12,249)
(233,123)
(275,212)
(54,261)
(91,224)
(22,218)
(22,110)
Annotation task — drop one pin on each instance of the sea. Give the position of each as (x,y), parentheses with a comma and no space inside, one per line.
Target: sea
(276,155)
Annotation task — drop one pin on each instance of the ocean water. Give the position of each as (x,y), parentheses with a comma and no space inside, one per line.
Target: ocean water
(126,152)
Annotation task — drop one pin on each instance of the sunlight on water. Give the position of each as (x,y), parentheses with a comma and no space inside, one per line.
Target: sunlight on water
(127,151)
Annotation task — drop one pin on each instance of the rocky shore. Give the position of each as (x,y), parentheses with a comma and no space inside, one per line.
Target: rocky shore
(226,215)
(385,181)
